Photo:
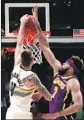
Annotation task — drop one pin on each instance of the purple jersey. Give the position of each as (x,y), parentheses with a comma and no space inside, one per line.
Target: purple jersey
(59,94)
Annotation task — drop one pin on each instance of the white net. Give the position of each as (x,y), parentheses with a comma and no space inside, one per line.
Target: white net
(35,48)
(31,42)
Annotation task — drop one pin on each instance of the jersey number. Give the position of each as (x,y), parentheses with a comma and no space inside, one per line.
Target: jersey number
(55,91)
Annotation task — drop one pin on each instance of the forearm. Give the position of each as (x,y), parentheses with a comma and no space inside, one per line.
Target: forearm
(47,51)
(21,34)
(70,110)
(45,93)
(41,37)
(35,81)
(19,46)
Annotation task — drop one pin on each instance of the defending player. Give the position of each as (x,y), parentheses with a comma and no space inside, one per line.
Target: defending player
(65,80)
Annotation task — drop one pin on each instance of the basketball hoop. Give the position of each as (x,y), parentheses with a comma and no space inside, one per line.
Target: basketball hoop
(30,42)
(30,36)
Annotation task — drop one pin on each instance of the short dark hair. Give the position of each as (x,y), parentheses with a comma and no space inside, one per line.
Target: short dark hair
(26,58)
(78,62)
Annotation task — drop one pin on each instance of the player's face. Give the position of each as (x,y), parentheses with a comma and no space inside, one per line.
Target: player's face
(65,67)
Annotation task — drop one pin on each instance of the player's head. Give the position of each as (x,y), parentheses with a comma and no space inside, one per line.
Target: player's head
(27,58)
(73,65)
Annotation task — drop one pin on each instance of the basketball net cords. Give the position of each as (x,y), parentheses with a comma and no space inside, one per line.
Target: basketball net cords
(35,48)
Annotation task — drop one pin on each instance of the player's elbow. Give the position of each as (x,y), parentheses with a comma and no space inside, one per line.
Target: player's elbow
(48,98)
(79,107)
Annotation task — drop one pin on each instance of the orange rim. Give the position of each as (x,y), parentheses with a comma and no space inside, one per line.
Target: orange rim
(30,36)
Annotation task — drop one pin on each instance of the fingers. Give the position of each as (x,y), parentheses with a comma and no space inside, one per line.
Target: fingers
(32,10)
(35,9)
(35,12)
(31,20)
(34,20)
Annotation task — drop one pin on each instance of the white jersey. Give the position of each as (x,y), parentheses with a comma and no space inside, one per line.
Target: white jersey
(20,95)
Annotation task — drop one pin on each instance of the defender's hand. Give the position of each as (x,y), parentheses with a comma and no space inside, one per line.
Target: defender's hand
(36,22)
(35,12)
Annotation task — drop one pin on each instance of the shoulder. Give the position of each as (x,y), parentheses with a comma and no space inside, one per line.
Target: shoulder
(16,66)
(73,84)
(32,75)
(33,78)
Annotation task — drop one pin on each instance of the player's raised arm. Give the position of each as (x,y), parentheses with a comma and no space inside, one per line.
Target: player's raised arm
(18,50)
(34,80)
(44,44)
(46,49)
(39,30)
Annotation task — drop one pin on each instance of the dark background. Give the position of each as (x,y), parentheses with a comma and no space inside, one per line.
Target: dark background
(65,15)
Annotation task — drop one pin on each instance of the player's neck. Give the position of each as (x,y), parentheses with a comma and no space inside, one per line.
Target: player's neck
(67,75)
(26,67)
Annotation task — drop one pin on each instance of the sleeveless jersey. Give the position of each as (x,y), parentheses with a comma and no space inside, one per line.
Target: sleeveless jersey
(20,95)
(59,93)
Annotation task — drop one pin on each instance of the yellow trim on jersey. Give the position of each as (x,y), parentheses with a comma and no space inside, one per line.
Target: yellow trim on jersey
(65,98)
(68,78)
(17,89)
(67,90)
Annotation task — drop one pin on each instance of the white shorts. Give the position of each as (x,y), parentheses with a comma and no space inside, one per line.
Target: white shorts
(17,113)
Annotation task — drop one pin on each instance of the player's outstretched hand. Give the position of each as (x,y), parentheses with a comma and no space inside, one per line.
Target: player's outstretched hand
(27,21)
(36,22)
(35,12)
(24,19)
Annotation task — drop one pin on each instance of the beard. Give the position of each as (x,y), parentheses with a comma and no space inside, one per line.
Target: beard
(63,71)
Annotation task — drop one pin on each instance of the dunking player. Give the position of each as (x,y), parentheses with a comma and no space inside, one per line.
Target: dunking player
(64,81)
(23,81)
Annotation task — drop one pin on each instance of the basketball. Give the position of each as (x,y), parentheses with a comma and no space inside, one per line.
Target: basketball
(30,24)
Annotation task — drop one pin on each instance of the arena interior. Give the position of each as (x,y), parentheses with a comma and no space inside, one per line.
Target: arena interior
(64,19)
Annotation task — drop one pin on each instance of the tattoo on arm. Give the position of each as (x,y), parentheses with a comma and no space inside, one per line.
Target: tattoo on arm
(39,86)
